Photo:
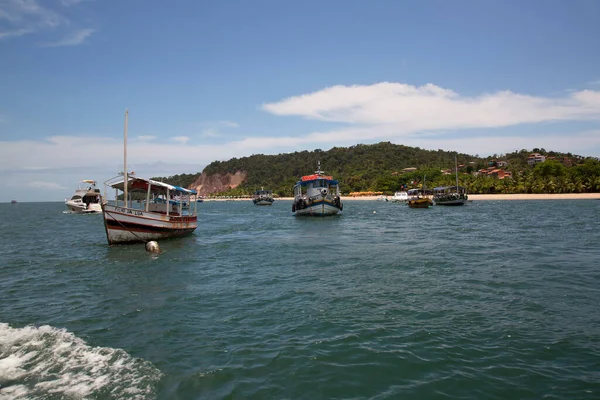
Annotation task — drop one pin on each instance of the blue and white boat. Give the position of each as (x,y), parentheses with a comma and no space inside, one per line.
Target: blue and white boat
(317,195)
(263,197)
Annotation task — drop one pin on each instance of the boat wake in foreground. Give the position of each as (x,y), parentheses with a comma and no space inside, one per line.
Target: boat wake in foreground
(45,362)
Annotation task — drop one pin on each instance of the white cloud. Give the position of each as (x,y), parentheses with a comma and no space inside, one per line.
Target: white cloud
(69,3)
(27,16)
(46,185)
(212,129)
(581,143)
(594,82)
(146,138)
(411,109)
(72,39)
(210,132)
(180,139)
(22,17)
(229,124)
(14,33)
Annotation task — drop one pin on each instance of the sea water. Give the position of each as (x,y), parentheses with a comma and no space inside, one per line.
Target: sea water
(492,300)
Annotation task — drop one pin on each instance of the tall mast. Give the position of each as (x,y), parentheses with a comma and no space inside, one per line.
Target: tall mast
(125,176)
(456,171)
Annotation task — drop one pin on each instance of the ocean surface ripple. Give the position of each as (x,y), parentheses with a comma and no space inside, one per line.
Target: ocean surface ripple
(493,300)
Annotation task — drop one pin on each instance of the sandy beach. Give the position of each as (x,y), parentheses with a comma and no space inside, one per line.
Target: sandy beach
(478,197)
(474,197)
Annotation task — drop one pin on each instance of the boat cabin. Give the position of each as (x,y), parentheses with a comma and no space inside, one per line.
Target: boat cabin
(449,189)
(263,193)
(316,186)
(419,192)
(153,195)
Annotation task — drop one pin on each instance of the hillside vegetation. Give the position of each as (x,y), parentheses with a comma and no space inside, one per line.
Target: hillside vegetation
(378,168)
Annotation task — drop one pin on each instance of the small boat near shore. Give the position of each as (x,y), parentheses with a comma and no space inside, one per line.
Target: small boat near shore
(400,197)
(450,195)
(87,198)
(317,195)
(263,197)
(419,198)
(128,219)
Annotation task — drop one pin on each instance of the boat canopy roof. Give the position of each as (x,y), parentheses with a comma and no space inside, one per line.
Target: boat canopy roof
(442,188)
(136,183)
(90,181)
(306,179)
(316,176)
(415,191)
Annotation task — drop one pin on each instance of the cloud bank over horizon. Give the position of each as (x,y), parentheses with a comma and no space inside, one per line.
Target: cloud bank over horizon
(427,116)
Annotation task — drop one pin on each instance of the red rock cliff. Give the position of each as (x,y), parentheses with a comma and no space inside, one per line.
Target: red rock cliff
(208,184)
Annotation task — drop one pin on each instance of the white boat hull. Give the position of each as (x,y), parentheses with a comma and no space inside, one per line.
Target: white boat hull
(453,199)
(81,208)
(457,202)
(263,202)
(319,209)
(127,225)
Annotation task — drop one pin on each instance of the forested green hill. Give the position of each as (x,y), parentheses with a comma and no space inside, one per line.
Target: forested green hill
(378,167)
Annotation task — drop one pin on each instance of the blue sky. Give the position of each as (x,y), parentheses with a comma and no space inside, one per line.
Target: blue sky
(212,80)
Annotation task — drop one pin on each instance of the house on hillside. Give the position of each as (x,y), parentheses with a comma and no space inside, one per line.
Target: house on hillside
(566,161)
(497,163)
(501,174)
(494,173)
(535,158)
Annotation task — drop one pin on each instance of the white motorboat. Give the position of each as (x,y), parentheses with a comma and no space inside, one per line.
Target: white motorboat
(400,197)
(87,198)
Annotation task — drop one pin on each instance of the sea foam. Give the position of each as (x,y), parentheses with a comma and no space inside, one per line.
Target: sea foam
(39,361)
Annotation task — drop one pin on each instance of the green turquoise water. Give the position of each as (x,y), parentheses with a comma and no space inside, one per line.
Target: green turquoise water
(493,300)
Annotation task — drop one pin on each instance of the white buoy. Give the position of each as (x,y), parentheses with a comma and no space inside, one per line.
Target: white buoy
(374,212)
(152,247)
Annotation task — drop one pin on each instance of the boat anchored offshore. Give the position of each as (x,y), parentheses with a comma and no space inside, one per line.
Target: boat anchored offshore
(419,198)
(400,197)
(263,197)
(128,220)
(86,200)
(450,195)
(317,195)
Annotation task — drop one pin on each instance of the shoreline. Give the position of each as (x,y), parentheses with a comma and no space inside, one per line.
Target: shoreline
(474,197)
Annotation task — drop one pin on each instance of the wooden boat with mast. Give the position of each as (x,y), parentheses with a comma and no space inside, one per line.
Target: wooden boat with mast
(159,216)
(450,195)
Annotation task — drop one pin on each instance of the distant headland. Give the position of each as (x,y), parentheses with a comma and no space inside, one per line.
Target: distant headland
(385,167)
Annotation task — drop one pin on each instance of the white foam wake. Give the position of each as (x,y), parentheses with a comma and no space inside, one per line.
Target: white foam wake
(40,361)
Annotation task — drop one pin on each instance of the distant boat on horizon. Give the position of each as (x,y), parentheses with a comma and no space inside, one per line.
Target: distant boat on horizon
(13,202)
